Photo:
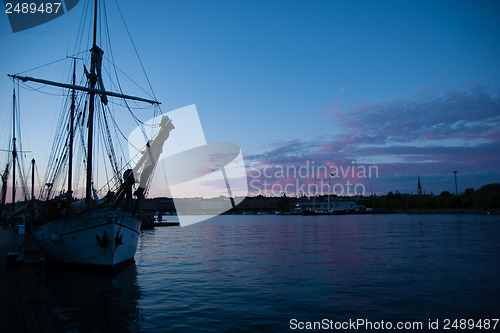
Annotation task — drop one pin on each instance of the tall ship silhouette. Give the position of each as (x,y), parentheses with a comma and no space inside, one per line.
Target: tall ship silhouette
(102,228)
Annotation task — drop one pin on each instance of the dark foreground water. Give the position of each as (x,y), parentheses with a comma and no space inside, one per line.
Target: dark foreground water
(257,273)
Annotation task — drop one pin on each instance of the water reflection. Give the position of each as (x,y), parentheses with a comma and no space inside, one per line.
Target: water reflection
(91,302)
(254,273)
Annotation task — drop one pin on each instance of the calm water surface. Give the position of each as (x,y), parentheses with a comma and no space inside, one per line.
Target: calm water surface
(254,273)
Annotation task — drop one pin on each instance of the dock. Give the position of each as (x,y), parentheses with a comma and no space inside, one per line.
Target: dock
(166,224)
(23,303)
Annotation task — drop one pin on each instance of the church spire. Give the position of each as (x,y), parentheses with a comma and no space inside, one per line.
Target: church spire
(419,187)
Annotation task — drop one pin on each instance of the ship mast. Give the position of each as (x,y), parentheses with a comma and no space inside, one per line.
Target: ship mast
(71,134)
(32,182)
(94,77)
(14,152)
(93,80)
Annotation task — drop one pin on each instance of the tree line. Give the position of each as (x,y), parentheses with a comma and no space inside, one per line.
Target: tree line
(488,196)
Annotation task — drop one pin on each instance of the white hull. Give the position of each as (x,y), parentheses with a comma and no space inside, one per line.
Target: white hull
(103,237)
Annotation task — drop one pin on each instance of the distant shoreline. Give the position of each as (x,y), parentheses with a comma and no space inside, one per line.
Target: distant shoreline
(495,211)
(436,211)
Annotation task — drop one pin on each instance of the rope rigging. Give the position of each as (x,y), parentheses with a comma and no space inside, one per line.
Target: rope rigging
(13,169)
(108,133)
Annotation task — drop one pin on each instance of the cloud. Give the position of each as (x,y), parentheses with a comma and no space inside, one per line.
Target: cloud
(468,113)
(427,134)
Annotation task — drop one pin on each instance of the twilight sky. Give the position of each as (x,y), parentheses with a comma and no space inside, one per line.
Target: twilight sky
(411,87)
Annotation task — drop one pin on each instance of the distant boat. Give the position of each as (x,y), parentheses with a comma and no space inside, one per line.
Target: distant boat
(100,232)
(337,211)
(166,220)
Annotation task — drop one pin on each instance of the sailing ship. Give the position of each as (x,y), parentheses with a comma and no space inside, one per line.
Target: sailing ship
(14,163)
(100,231)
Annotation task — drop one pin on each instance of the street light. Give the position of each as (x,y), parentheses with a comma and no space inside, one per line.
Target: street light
(329,189)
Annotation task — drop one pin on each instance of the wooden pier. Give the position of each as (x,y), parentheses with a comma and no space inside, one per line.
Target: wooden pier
(166,224)
(23,305)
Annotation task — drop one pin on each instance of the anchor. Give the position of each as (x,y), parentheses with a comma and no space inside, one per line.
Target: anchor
(102,242)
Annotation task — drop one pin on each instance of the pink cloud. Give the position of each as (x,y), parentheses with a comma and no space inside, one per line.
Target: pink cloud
(426,134)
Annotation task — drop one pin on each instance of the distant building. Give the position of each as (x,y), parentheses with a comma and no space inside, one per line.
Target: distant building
(419,187)
(158,204)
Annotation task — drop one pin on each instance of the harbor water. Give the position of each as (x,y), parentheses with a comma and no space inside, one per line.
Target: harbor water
(271,273)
